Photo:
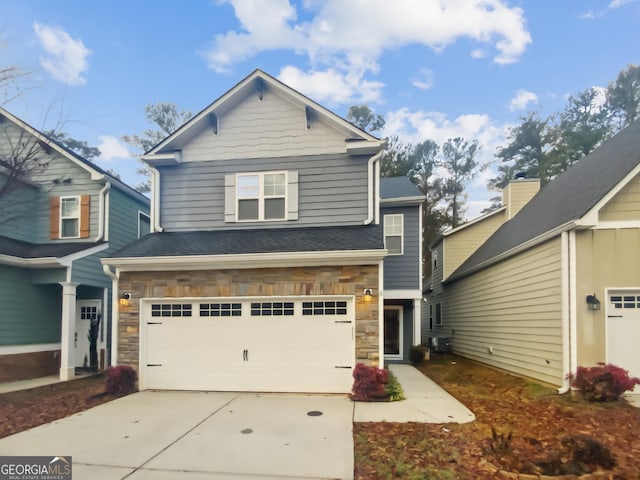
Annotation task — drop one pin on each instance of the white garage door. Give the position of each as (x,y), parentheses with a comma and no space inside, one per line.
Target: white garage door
(267,345)
(623,331)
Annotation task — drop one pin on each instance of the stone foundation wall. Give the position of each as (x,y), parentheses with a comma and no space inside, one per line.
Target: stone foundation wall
(298,281)
(22,366)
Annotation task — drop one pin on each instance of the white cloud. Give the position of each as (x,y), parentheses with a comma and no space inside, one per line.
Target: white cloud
(522,99)
(588,15)
(347,37)
(112,148)
(619,3)
(425,80)
(66,59)
(332,86)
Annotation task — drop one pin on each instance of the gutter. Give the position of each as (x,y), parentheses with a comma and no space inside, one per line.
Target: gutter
(155,200)
(570,343)
(372,171)
(566,341)
(115,317)
(102,218)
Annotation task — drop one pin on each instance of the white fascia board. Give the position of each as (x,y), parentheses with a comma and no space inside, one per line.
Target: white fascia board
(250,260)
(402,200)
(159,159)
(50,262)
(591,217)
(364,147)
(406,294)
(515,250)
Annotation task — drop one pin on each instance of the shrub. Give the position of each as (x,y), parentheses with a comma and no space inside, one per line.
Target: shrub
(393,389)
(120,380)
(417,353)
(603,383)
(369,383)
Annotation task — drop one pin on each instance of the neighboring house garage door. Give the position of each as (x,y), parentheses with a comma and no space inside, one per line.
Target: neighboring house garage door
(623,330)
(248,344)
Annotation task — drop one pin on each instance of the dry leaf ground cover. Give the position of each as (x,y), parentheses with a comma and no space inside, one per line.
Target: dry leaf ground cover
(29,408)
(531,422)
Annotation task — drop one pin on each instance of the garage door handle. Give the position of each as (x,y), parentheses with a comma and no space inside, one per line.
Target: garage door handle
(342,366)
(342,321)
(154,364)
(245,355)
(614,316)
(154,323)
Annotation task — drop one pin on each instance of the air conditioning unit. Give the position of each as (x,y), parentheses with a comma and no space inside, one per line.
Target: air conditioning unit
(440,344)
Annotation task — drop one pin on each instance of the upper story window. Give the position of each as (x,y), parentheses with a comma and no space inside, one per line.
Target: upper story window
(261,196)
(394,233)
(69,217)
(144,224)
(434,257)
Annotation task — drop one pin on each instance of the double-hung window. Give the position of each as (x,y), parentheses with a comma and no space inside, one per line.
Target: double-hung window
(394,233)
(261,196)
(69,217)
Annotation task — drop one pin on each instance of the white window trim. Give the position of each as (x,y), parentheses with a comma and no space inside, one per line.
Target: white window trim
(400,333)
(261,196)
(434,258)
(140,215)
(60,229)
(401,215)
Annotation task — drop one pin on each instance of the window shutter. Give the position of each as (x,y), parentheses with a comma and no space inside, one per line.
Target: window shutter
(292,196)
(84,216)
(54,217)
(230,198)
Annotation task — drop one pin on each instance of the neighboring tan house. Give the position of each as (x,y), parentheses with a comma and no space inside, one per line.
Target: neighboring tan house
(54,227)
(266,270)
(558,285)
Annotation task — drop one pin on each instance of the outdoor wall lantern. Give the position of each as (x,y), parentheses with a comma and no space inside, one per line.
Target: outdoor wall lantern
(592,302)
(368,294)
(125,298)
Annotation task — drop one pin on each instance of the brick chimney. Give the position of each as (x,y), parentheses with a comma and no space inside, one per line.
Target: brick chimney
(518,193)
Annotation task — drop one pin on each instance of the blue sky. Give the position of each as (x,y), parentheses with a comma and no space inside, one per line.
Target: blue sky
(435,70)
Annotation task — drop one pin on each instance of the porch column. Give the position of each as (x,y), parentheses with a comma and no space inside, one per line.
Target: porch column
(417,321)
(68,348)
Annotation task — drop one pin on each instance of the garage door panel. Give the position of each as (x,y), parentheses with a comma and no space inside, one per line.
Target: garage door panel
(294,353)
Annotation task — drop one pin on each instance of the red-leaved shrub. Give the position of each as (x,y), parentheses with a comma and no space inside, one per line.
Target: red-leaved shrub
(603,383)
(369,383)
(120,380)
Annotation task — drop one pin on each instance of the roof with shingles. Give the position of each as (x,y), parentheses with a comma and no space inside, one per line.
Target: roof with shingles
(398,187)
(20,249)
(567,198)
(248,241)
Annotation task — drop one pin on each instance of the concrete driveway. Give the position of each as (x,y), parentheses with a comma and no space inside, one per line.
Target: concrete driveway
(200,435)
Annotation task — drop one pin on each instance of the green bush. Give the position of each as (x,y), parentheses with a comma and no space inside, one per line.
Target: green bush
(393,389)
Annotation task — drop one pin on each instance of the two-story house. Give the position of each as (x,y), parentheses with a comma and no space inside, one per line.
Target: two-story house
(551,281)
(55,224)
(266,267)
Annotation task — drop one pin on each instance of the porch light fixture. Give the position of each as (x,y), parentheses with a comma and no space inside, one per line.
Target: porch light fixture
(125,299)
(368,294)
(592,302)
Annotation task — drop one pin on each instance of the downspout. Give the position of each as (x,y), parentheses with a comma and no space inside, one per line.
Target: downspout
(102,218)
(373,193)
(115,312)
(155,200)
(566,314)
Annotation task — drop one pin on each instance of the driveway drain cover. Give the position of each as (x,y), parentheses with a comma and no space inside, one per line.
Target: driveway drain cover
(314,413)
(246,430)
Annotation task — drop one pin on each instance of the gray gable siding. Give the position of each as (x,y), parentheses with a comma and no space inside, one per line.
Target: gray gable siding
(123,218)
(403,271)
(332,191)
(30,312)
(14,207)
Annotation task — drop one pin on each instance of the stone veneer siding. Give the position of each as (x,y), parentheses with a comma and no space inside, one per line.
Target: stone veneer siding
(298,281)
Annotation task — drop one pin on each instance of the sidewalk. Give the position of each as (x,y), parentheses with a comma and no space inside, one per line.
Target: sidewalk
(426,402)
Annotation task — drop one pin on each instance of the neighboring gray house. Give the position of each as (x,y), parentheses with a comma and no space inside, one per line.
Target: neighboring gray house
(54,227)
(267,268)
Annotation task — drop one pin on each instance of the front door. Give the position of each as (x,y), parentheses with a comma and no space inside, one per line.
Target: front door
(393,332)
(86,312)
(623,331)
